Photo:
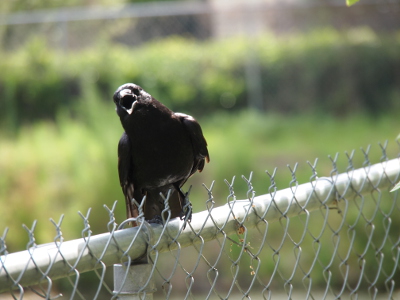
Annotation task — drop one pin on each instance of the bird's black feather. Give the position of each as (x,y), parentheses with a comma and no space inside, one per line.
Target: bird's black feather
(158,152)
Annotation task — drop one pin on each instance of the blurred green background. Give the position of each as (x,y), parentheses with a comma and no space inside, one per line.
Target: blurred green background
(266,97)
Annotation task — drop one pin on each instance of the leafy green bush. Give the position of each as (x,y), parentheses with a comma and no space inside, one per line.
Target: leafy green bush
(323,71)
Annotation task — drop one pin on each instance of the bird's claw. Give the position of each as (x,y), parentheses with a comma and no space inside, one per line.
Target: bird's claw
(156,220)
(186,213)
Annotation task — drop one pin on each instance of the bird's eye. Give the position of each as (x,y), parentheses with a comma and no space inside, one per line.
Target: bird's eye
(137,91)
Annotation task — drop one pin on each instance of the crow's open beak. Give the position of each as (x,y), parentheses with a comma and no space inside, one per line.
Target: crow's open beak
(127,100)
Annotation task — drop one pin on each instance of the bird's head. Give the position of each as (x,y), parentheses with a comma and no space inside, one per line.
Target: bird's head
(127,96)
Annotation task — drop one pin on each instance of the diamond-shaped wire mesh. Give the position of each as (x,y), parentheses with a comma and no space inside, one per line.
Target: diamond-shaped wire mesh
(333,237)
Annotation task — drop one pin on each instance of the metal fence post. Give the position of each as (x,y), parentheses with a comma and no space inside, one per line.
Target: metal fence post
(134,282)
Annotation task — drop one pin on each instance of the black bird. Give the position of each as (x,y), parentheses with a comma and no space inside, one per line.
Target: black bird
(158,152)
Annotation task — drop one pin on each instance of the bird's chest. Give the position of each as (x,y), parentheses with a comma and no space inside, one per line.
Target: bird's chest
(158,135)
(162,152)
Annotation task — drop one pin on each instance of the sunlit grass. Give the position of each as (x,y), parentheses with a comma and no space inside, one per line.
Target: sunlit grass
(50,169)
(250,141)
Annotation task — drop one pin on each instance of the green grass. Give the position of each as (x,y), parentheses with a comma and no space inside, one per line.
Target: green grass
(250,141)
(58,168)
(51,169)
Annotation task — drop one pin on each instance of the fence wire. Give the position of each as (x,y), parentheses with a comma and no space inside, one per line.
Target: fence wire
(335,237)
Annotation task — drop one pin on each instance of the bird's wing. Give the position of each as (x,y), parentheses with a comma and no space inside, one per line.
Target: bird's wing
(124,171)
(198,141)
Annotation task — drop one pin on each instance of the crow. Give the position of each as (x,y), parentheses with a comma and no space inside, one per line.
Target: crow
(157,153)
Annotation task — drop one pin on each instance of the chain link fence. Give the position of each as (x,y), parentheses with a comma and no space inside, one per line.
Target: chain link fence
(334,237)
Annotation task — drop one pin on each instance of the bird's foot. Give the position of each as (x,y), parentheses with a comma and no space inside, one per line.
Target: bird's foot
(156,220)
(186,213)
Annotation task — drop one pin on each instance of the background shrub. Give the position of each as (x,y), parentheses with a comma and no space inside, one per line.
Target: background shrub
(323,71)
